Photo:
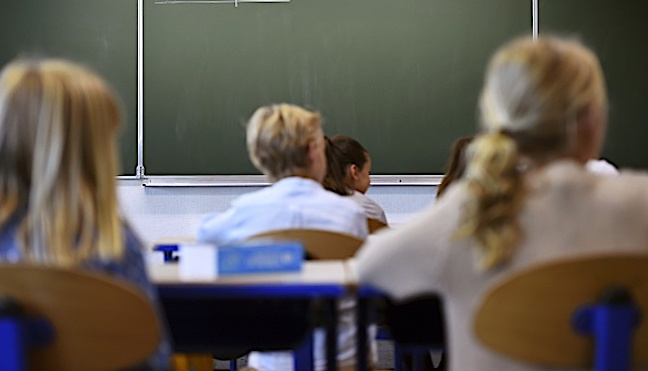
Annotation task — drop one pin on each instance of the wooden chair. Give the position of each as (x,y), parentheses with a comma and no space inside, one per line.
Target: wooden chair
(318,244)
(375,225)
(530,316)
(85,321)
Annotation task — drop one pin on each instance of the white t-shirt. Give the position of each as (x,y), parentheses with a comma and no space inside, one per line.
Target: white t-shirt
(371,208)
(601,167)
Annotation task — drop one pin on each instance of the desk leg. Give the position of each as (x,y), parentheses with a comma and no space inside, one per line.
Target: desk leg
(303,356)
(361,336)
(331,334)
(304,359)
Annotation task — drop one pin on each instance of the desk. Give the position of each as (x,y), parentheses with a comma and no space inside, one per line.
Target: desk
(193,307)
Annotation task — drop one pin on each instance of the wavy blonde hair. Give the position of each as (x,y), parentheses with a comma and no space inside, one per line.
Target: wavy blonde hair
(58,161)
(535,93)
(278,137)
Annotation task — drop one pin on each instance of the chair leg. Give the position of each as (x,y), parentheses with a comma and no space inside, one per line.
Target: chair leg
(612,327)
(442,365)
(14,353)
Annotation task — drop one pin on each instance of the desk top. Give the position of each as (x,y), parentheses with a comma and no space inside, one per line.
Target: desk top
(313,272)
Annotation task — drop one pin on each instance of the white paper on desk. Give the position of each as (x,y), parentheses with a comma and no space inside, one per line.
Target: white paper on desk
(198,262)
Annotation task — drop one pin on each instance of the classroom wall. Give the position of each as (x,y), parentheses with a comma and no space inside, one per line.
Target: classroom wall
(163,212)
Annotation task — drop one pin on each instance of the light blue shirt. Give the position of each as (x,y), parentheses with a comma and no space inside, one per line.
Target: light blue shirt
(291,203)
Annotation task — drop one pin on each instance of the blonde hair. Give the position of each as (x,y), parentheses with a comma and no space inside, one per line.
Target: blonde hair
(58,126)
(278,138)
(535,93)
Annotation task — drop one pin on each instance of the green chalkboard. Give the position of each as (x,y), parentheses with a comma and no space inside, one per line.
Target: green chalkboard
(101,34)
(401,76)
(618,32)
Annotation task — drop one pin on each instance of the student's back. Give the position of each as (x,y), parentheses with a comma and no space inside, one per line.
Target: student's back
(290,203)
(568,212)
(58,203)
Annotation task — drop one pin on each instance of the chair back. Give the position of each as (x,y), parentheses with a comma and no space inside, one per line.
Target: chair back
(375,225)
(318,244)
(98,323)
(528,315)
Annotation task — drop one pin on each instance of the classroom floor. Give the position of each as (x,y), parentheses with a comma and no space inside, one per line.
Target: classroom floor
(385,359)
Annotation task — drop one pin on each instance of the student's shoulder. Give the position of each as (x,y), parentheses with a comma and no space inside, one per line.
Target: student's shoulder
(625,194)
(627,178)
(284,189)
(365,200)
(255,196)
(629,183)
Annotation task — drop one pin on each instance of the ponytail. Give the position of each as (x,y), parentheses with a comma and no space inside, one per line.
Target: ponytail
(495,196)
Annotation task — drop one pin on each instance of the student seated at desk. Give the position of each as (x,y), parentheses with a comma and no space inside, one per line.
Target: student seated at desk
(287,144)
(456,164)
(348,174)
(526,197)
(58,162)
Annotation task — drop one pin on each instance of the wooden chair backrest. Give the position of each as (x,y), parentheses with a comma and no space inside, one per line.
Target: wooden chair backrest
(528,315)
(98,323)
(375,225)
(318,244)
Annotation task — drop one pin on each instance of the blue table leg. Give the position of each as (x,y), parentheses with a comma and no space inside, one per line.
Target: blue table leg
(362,340)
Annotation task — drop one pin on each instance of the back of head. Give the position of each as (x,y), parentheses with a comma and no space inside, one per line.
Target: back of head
(58,124)
(537,92)
(278,137)
(537,98)
(342,152)
(334,180)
